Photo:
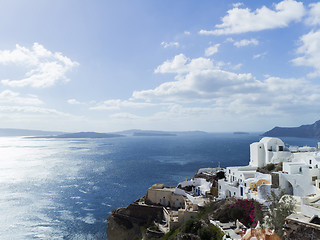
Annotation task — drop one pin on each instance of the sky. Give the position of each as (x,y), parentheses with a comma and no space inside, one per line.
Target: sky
(176,65)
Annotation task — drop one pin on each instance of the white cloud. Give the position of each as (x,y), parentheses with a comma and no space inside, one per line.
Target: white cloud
(187,33)
(196,79)
(259,55)
(31,109)
(10,97)
(117,104)
(237,67)
(246,42)
(310,51)
(169,44)
(73,101)
(45,68)
(236,5)
(229,39)
(241,20)
(229,93)
(181,64)
(314,14)
(211,50)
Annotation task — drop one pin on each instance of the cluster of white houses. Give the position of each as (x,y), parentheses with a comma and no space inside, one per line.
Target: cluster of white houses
(299,176)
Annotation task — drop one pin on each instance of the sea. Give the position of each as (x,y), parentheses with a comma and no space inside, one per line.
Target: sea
(66,188)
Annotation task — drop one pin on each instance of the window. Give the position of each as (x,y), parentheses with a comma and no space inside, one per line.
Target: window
(280,148)
(310,161)
(314,178)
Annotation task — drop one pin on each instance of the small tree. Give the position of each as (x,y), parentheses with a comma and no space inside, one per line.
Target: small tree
(220,175)
(236,213)
(210,233)
(281,206)
(192,226)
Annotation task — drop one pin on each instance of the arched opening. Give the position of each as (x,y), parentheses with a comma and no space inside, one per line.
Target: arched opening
(289,188)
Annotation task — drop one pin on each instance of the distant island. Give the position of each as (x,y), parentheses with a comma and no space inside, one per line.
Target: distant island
(86,135)
(240,133)
(150,134)
(13,132)
(10,132)
(153,133)
(305,131)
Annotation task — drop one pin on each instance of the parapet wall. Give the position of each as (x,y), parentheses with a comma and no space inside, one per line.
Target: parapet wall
(301,231)
(145,212)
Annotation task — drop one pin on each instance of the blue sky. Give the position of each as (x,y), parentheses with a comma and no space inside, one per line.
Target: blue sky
(166,65)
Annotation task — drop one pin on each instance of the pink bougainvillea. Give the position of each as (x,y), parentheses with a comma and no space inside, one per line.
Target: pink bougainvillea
(247,208)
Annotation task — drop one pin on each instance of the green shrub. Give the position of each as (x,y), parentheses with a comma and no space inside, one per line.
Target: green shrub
(220,175)
(281,206)
(192,226)
(207,209)
(270,167)
(223,216)
(210,233)
(279,167)
(170,235)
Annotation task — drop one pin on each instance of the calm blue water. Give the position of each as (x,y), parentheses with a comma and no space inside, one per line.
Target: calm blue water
(65,189)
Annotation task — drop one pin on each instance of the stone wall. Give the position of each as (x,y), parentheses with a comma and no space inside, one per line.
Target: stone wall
(301,231)
(144,212)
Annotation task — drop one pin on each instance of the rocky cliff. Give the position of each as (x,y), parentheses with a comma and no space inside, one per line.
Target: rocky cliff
(306,131)
(129,223)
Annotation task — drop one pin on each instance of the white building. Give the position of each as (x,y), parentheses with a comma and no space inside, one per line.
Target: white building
(300,174)
(268,150)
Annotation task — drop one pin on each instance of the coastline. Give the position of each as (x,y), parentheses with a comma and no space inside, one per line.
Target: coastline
(138,218)
(245,196)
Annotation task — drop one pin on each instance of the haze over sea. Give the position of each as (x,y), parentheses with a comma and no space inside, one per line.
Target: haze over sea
(66,188)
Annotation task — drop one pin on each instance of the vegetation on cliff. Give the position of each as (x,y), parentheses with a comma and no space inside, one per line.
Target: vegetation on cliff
(281,206)
(225,210)
(270,168)
(247,211)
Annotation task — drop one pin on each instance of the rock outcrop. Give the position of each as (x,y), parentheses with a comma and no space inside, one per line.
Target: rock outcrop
(306,131)
(122,227)
(127,223)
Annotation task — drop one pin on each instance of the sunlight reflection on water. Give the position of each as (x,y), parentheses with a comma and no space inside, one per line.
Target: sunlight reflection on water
(33,177)
(65,189)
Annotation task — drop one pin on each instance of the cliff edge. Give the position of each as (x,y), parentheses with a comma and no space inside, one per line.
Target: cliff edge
(130,223)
